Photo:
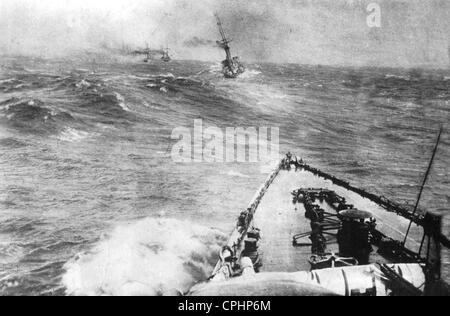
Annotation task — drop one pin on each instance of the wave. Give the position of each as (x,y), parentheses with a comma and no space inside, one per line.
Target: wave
(390,76)
(166,83)
(88,96)
(72,135)
(106,104)
(3,81)
(216,69)
(27,81)
(9,252)
(250,73)
(33,115)
(167,76)
(232,173)
(12,143)
(121,101)
(17,224)
(83,84)
(25,110)
(153,257)
(10,85)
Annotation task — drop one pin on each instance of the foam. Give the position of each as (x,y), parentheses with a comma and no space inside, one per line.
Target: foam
(83,84)
(153,257)
(121,101)
(7,80)
(72,135)
(232,173)
(390,76)
(249,73)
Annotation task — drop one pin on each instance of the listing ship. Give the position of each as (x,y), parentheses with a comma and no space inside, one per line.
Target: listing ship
(231,66)
(308,233)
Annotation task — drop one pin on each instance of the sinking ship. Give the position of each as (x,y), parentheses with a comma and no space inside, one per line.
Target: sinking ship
(231,66)
(308,233)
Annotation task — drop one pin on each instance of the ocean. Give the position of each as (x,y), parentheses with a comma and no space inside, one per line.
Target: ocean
(91,202)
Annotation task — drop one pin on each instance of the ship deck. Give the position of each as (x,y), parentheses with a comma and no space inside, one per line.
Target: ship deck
(280,220)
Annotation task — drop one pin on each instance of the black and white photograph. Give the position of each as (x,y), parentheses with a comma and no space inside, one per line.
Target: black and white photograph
(215,150)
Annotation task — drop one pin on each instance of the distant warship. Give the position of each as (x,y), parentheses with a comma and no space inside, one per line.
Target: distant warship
(165,55)
(148,58)
(151,53)
(147,52)
(231,66)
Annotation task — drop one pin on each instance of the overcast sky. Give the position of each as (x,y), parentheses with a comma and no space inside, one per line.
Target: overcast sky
(413,32)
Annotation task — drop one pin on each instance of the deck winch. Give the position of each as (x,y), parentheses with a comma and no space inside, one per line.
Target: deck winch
(332,217)
(354,237)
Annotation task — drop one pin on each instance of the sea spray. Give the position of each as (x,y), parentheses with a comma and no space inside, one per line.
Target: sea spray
(121,101)
(151,257)
(236,174)
(72,135)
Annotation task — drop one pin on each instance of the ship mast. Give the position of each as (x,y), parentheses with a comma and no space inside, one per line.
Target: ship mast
(166,51)
(147,50)
(225,41)
(422,188)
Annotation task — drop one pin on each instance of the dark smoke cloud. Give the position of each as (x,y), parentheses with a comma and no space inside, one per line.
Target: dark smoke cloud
(199,42)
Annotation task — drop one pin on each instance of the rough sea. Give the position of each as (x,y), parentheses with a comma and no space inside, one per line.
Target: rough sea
(91,202)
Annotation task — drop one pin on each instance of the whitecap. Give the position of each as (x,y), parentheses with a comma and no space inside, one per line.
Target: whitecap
(83,84)
(72,135)
(215,68)
(10,252)
(232,173)
(7,80)
(121,100)
(250,73)
(390,76)
(168,75)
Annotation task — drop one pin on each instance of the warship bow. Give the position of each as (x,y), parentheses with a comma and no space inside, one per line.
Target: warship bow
(309,233)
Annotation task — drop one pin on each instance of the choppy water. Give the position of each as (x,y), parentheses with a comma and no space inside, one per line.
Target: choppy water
(91,203)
